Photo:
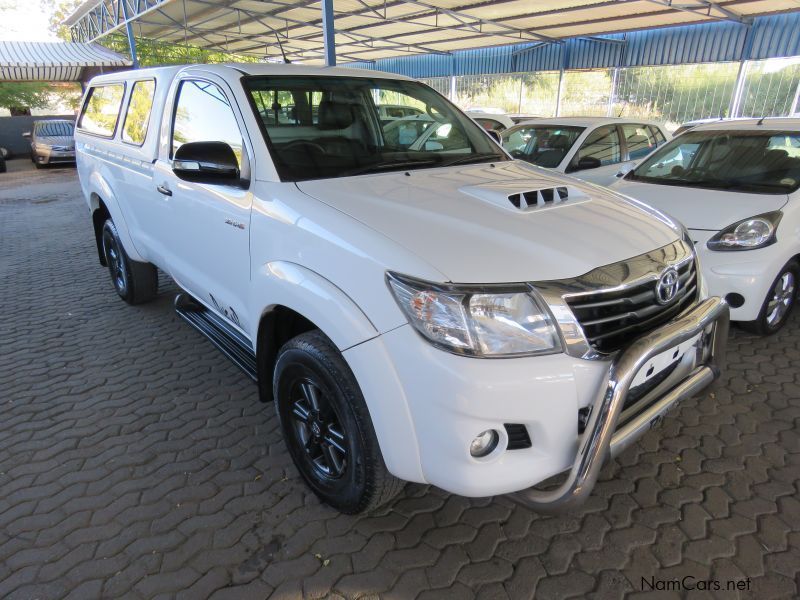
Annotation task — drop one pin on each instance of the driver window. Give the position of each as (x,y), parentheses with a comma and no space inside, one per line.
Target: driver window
(203,114)
(602,145)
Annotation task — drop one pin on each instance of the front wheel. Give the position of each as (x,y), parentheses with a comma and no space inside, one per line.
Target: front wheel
(135,282)
(779,302)
(327,426)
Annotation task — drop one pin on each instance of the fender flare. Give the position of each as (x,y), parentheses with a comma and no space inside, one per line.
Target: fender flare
(100,191)
(313,296)
(319,300)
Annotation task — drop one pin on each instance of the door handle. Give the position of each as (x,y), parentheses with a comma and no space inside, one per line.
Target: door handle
(164,190)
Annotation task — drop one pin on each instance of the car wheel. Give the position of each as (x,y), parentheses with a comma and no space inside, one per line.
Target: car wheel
(135,282)
(779,302)
(327,427)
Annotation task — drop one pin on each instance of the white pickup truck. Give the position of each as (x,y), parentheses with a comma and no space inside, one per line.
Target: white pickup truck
(441,314)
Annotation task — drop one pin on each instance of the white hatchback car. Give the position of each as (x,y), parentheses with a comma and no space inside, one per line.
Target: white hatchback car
(424,311)
(594,149)
(735,185)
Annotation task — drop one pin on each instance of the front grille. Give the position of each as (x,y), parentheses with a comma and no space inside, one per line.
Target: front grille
(611,318)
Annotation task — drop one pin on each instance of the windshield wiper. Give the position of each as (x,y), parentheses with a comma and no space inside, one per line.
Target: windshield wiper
(463,160)
(389,166)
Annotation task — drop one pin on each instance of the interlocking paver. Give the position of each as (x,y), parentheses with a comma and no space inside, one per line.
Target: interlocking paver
(135,461)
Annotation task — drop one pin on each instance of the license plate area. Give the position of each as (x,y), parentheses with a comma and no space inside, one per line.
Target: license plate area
(661,362)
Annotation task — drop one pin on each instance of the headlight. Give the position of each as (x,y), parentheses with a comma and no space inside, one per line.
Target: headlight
(43,147)
(749,234)
(477,321)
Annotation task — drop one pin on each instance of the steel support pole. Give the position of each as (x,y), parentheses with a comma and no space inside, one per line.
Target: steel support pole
(129,30)
(741,76)
(796,101)
(328,33)
(564,66)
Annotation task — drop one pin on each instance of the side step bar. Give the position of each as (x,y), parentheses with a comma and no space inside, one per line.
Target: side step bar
(229,341)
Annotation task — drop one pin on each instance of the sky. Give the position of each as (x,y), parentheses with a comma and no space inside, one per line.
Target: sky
(25,21)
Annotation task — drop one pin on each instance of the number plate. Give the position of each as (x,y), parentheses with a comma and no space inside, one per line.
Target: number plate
(662,361)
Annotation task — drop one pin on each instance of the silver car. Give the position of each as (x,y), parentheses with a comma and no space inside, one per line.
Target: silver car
(52,141)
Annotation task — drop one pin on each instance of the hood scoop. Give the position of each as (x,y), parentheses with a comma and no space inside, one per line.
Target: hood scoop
(517,197)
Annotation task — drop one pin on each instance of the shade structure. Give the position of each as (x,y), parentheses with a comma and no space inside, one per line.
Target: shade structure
(54,61)
(367,30)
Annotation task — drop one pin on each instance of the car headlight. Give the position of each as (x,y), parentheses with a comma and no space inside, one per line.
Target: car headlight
(483,321)
(748,234)
(43,147)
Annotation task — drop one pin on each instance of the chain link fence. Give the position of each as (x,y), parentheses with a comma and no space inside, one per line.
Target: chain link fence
(672,94)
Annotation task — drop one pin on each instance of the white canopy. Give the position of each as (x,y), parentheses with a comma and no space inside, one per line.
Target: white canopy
(53,61)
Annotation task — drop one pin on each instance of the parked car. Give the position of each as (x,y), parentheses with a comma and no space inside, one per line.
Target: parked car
(692,124)
(594,149)
(390,112)
(491,121)
(52,142)
(2,163)
(370,288)
(734,184)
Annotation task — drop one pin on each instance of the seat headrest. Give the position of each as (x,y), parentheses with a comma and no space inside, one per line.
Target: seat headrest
(335,115)
(636,140)
(559,141)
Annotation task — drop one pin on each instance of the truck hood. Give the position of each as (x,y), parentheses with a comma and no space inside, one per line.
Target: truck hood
(461,221)
(701,208)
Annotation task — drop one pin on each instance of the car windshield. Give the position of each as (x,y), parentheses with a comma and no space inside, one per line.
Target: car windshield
(55,129)
(542,145)
(766,162)
(322,127)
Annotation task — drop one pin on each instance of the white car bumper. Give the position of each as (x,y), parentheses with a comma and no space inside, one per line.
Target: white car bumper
(451,399)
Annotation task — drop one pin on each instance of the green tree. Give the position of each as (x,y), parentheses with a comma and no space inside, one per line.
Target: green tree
(20,97)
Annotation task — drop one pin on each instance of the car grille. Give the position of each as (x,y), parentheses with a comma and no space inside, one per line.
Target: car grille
(610,318)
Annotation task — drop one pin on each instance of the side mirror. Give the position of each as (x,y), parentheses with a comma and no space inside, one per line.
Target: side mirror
(625,169)
(587,162)
(495,135)
(206,162)
(27,134)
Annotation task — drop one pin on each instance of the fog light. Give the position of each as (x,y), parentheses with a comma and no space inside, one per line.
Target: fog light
(484,443)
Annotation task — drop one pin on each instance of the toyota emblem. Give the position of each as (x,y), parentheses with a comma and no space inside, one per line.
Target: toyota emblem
(667,286)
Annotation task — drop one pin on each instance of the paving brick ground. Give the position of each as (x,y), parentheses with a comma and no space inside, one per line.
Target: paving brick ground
(136,462)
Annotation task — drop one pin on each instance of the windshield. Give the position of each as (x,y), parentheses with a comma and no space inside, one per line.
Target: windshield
(322,127)
(542,145)
(765,162)
(55,128)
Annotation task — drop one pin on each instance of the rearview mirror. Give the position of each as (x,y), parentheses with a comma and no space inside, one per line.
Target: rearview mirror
(206,162)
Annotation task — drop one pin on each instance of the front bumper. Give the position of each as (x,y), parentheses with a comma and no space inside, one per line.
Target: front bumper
(749,274)
(49,157)
(602,439)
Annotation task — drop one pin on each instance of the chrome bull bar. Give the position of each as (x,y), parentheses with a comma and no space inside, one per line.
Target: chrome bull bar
(601,439)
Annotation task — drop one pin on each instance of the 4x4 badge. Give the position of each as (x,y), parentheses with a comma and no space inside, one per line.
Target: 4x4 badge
(667,286)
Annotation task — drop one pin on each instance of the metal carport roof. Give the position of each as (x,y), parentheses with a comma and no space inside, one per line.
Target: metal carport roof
(54,61)
(367,30)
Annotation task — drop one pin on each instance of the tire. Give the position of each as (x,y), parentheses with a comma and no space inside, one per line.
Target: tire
(327,427)
(135,282)
(778,304)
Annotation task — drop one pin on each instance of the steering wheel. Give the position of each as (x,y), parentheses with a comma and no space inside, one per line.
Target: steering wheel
(308,143)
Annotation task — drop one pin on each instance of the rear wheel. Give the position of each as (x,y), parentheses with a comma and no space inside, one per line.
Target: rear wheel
(779,302)
(135,282)
(327,426)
